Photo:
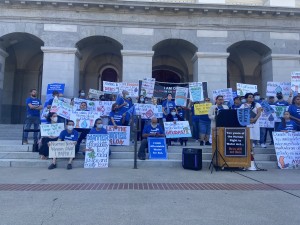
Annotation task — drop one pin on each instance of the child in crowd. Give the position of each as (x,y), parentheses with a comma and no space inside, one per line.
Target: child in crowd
(287,124)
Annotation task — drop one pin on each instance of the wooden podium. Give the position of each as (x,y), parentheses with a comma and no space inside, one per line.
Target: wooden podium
(233,145)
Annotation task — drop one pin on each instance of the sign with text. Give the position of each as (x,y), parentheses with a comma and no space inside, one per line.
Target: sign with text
(52,130)
(84,119)
(181,96)
(287,149)
(196,91)
(62,149)
(226,93)
(267,109)
(119,135)
(279,111)
(147,111)
(147,87)
(103,108)
(295,81)
(61,108)
(243,116)
(202,109)
(177,129)
(274,87)
(91,105)
(110,87)
(266,120)
(243,89)
(95,93)
(132,88)
(235,142)
(157,148)
(98,151)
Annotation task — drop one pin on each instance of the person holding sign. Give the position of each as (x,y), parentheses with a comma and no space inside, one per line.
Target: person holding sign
(116,117)
(151,130)
(168,105)
(124,104)
(69,134)
(294,111)
(204,127)
(173,117)
(287,124)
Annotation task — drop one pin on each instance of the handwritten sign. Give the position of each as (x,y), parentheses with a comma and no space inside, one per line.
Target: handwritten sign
(147,87)
(267,109)
(147,111)
(181,96)
(103,108)
(84,119)
(202,109)
(196,91)
(118,136)
(235,142)
(61,108)
(279,111)
(91,105)
(266,120)
(178,129)
(243,89)
(226,93)
(243,116)
(274,87)
(53,130)
(157,148)
(61,149)
(110,87)
(95,93)
(98,146)
(295,81)
(287,149)
(132,88)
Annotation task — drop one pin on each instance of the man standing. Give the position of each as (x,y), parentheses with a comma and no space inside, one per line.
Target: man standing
(33,107)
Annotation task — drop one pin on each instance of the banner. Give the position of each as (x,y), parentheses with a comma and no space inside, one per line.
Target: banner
(110,87)
(243,89)
(118,136)
(287,149)
(202,109)
(157,148)
(274,87)
(196,91)
(61,108)
(95,93)
(235,142)
(84,119)
(61,149)
(52,130)
(147,111)
(147,87)
(177,129)
(226,93)
(98,146)
(132,88)
(295,82)
(181,96)
(243,116)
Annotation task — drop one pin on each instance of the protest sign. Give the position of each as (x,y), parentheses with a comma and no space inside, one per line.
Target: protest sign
(103,108)
(267,109)
(157,148)
(147,111)
(177,129)
(243,116)
(95,93)
(196,91)
(132,88)
(243,89)
(91,105)
(274,87)
(62,149)
(147,87)
(181,96)
(287,149)
(61,108)
(295,82)
(119,135)
(235,142)
(266,120)
(226,93)
(52,130)
(98,151)
(84,119)
(279,111)
(202,109)
(110,87)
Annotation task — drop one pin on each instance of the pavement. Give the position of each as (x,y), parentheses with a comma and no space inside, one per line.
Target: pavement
(148,196)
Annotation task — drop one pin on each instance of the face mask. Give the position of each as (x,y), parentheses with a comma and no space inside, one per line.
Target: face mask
(82,94)
(173,113)
(257,97)
(54,119)
(142,99)
(243,101)
(70,127)
(99,126)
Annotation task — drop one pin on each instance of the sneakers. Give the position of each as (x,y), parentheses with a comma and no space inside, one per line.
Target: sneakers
(207,143)
(52,166)
(69,166)
(263,145)
(201,143)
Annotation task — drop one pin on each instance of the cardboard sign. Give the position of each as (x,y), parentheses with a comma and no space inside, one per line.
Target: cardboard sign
(84,119)
(147,111)
(235,142)
(98,146)
(243,89)
(62,149)
(52,130)
(118,136)
(274,87)
(157,148)
(287,149)
(226,93)
(147,87)
(95,93)
(181,96)
(110,87)
(132,88)
(177,129)
(61,108)
(196,91)
(295,82)
(202,109)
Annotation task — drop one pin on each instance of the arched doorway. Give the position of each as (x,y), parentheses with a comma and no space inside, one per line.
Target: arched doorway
(244,64)
(172,61)
(99,52)
(23,69)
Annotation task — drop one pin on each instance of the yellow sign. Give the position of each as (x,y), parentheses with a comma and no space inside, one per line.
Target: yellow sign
(202,109)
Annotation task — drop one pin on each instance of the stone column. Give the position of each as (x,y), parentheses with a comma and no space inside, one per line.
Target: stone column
(3,55)
(61,65)
(211,67)
(136,65)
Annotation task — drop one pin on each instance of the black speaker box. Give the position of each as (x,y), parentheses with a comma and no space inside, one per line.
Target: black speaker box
(192,158)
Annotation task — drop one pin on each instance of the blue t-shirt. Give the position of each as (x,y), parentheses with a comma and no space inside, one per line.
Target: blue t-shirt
(34,102)
(290,125)
(117,118)
(204,118)
(168,106)
(282,103)
(295,112)
(151,130)
(66,136)
(120,100)
(50,101)
(101,131)
(235,106)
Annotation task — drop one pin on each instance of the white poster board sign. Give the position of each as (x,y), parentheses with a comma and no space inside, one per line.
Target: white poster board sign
(147,87)
(119,135)
(62,149)
(243,89)
(148,111)
(132,88)
(177,129)
(181,96)
(84,119)
(61,108)
(196,91)
(274,87)
(51,130)
(93,93)
(295,81)
(226,93)
(110,87)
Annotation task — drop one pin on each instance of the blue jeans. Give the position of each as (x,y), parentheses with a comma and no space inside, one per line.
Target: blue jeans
(196,129)
(35,120)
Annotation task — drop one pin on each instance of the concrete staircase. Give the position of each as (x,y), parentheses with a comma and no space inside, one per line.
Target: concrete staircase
(14,154)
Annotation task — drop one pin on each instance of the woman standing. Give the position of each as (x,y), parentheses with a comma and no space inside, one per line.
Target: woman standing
(294,110)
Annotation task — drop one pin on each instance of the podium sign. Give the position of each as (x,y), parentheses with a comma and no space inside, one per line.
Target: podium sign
(235,142)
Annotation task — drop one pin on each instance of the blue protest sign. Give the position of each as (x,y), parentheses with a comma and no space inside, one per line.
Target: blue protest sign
(267,108)
(243,116)
(157,148)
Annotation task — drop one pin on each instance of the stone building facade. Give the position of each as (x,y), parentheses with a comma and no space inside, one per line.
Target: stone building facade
(81,43)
